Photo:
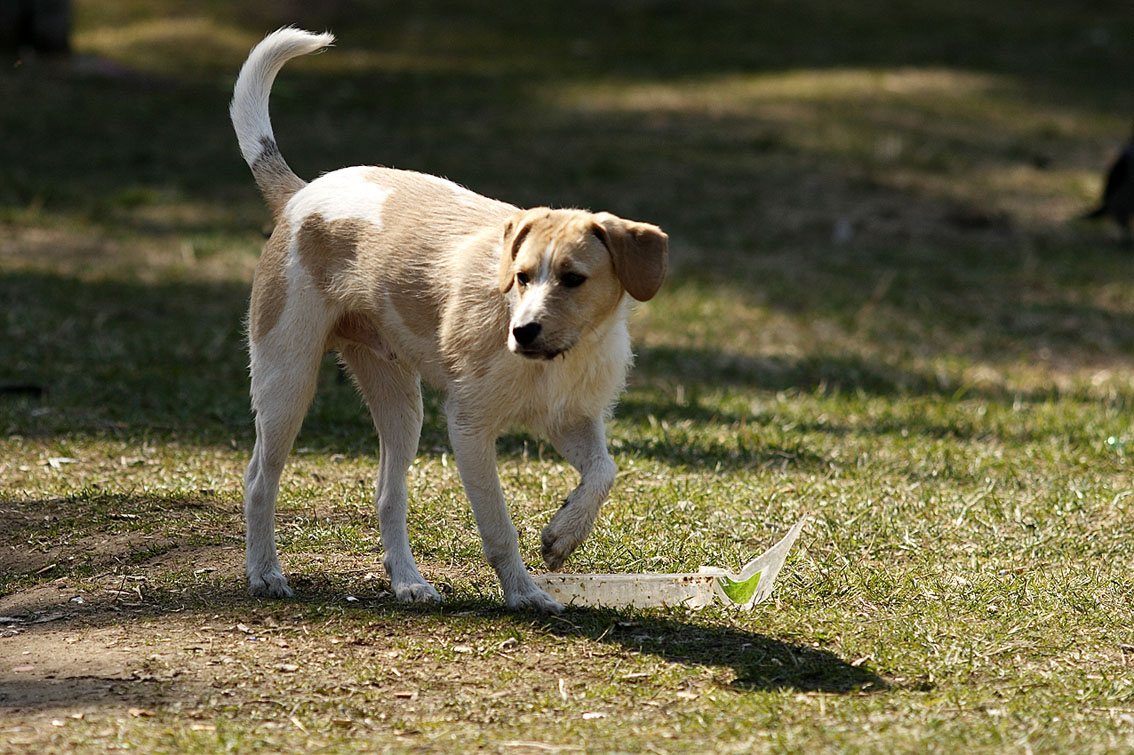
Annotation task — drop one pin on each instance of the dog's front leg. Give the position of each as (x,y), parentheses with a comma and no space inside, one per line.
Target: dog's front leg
(476,460)
(583,444)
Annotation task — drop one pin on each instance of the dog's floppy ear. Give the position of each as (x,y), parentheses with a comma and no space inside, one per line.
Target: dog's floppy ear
(515,230)
(640,252)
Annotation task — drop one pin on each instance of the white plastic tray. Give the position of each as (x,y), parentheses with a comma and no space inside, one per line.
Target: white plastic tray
(745,589)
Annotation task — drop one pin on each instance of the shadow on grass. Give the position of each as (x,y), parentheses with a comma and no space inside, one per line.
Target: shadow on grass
(760,663)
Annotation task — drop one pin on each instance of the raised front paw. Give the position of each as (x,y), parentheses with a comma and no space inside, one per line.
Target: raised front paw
(559,540)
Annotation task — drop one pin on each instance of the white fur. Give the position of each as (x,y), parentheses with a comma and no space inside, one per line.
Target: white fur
(340,195)
(249,108)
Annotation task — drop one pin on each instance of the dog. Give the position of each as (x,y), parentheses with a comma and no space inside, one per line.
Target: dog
(519,315)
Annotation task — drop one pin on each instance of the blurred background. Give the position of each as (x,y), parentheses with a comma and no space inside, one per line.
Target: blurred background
(873,195)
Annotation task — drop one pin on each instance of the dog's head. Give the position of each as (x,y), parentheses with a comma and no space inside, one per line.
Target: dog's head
(569,270)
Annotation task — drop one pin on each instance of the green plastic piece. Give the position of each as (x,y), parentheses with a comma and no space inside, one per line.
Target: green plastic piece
(740,592)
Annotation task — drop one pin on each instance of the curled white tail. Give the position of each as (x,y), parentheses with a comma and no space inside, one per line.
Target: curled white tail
(249,110)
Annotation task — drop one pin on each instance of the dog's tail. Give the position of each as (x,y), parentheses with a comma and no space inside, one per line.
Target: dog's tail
(249,111)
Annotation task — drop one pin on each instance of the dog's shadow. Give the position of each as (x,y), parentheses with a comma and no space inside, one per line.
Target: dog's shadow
(758,662)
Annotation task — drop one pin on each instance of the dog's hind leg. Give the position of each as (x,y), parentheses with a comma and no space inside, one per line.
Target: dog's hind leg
(285,364)
(584,445)
(475,452)
(394,396)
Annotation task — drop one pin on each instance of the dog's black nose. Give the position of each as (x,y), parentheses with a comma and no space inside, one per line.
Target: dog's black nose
(526,334)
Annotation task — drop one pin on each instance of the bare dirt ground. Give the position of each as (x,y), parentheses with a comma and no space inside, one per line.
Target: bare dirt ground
(76,648)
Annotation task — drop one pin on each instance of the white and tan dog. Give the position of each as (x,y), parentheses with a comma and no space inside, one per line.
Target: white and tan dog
(520,315)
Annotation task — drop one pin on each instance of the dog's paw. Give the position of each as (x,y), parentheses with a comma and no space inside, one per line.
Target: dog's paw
(406,581)
(272,584)
(416,592)
(535,600)
(557,544)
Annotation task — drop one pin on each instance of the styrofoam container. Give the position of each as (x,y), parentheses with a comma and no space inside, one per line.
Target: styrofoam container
(638,590)
(752,585)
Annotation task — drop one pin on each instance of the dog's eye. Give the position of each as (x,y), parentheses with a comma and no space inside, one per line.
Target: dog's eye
(572,280)
(523,279)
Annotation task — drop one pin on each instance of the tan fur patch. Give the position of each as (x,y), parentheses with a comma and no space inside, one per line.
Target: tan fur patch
(276,180)
(419,315)
(333,251)
(358,328)
(269,285)
(411,280)
(327,250)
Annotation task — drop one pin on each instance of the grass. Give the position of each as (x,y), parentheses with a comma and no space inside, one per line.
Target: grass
(881,313)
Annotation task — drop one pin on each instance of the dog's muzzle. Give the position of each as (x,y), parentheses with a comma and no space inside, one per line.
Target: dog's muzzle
(526,335)
(525,342)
